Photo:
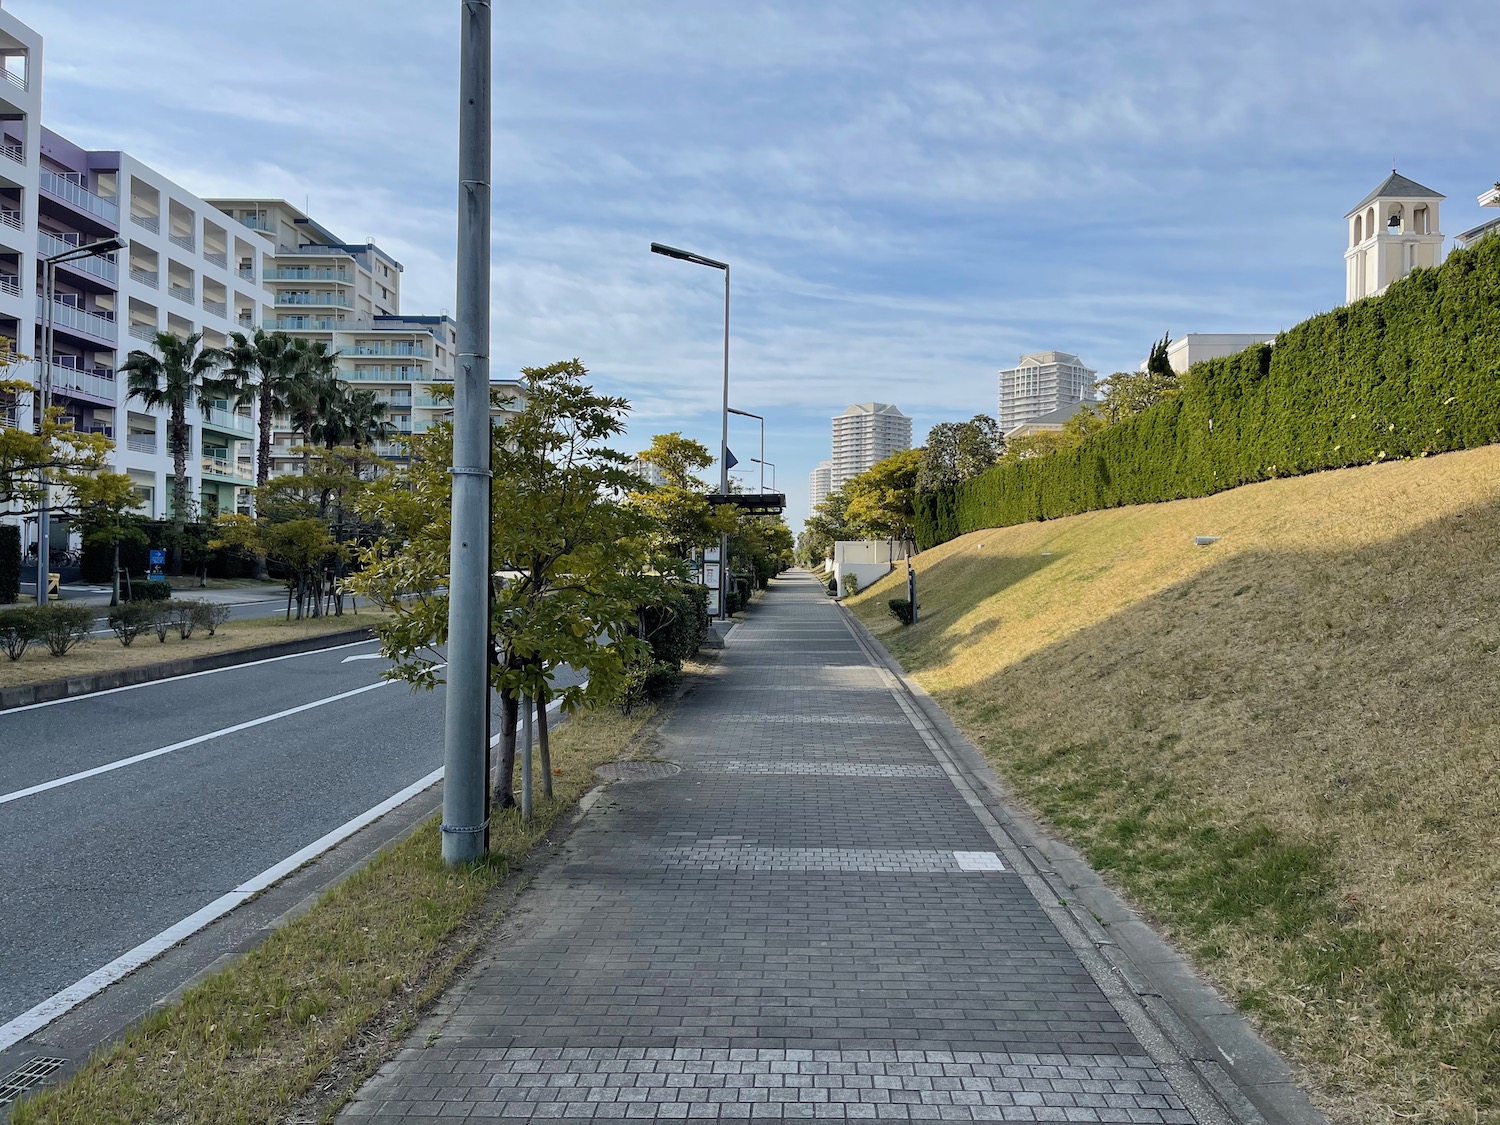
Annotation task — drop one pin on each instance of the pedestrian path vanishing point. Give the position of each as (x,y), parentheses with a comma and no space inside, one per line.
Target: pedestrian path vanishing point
(808,921)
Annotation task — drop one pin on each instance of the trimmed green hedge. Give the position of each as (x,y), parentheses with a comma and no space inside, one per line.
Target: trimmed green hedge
(1412,372)
(10,563)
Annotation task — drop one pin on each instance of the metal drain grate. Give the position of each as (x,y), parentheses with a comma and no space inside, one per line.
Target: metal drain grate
(27,1077)
(637,771)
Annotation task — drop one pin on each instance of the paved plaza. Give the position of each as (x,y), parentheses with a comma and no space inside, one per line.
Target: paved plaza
(812,919)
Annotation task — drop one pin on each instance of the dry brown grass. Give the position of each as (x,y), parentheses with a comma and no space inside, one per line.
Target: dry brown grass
(1285,746)
(252,1042)
(106,654)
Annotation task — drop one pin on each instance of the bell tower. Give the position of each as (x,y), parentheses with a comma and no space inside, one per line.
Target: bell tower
(1392,231)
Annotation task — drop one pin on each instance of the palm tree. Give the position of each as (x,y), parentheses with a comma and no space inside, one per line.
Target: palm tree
(265,369)
(316,396)
(179,376)
(363,419)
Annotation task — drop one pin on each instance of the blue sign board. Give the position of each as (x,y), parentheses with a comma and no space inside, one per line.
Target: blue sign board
(158,556)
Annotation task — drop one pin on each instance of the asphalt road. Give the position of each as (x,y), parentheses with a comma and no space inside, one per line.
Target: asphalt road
(100,863)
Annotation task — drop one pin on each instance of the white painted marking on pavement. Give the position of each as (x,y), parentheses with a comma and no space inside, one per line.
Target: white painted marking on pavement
(184,676)
(978,861)
(32,1021)
(361,656)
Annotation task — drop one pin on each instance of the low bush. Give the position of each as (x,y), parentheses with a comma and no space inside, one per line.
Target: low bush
(851,584)
(210,615)
(900,609)
(18,628)
(185,615)
(163,614)
(147,590)
(64,626)
(130,619)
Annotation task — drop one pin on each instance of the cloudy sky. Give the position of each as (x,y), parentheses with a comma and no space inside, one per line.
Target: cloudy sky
(911,194)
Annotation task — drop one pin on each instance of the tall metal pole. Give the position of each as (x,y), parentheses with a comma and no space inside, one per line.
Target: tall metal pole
(724,465)
(43,401)
(464,784)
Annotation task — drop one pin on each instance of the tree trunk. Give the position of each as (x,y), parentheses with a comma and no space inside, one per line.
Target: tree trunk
(179,482)
(263,464)
(114,593)
(544,749)
(505,792)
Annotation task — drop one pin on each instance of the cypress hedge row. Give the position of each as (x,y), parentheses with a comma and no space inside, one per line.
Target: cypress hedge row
(1412,372)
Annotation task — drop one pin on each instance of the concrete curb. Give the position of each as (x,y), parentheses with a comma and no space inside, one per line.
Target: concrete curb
(23,695)
(1252,1083)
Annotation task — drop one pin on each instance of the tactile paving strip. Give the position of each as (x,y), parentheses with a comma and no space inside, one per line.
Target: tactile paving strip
(814,769)
(734,857)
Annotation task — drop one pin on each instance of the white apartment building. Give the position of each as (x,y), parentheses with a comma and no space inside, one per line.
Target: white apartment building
(1489,198)
(820,484)
(1040,383)
(174,273)
(348,296)
(1195,347)
(865,433)
(1392,231)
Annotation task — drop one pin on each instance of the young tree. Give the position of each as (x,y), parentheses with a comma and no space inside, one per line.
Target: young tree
(827,526)
(109,514)
(570,555)
(956,451)
(677,514)
(1127,393)
(882,499)
(179,376)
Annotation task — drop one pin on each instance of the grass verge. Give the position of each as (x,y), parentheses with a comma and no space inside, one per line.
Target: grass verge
(104,653)
(251,1042)
(1283,747)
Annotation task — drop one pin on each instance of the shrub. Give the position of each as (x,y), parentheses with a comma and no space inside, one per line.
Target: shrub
(130,620)
(900,609)
(1405,374)
(147,590)
(62,627)
(851,584)
(674,621)
(18,628)
(10,563)
(184,614)
(163,614)
(209,615)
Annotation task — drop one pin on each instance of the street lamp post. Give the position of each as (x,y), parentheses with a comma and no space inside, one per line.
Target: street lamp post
(44,394)
(700,260)
(762,421)
(764,465)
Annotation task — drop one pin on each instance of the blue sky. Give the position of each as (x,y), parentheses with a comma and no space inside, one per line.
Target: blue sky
(911,195)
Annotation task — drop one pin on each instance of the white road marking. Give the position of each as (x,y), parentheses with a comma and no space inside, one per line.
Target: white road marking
(109,767)
(184,676)
(32,1021)
(361,656)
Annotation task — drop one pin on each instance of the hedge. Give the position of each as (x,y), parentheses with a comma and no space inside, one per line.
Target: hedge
(10,563)
(98,558)
(1412,372)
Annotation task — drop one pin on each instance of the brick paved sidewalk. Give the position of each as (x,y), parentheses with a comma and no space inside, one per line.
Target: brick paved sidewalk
(808,921)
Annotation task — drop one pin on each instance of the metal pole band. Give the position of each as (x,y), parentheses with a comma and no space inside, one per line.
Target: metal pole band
(452,830)
(458,471)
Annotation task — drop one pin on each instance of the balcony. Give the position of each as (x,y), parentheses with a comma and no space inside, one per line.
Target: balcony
(98,383)
(10,283)
(13,78)
(149,278)
(305,324)
(309,273)
(92,324)
(220,260)
(218,308)
(12,218)
(149,222)
(246,273)
(428,402)
(140,443)
(227,421)
(227,469)
(257,224)
(145,332)
(104,268)
(183,293)
(80,197)
(14,151)
(383,374)
(336,300)
(186,241)
(414,351)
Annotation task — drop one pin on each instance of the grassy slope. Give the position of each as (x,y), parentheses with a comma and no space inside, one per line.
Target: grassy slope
(1285,746)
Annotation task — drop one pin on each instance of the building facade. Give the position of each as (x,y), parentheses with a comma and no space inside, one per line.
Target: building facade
(865,433)
(820,484)
(1392,231)
(1195,347)
(1040,383)
(1490,198)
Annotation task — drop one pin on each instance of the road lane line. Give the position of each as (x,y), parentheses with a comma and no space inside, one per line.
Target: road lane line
(38,1017)
(109,767)
(184,676)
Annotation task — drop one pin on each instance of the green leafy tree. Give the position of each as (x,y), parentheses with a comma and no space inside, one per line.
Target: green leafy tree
(1126,393)
(180,375)
(882,499)
(956,451)
(108,512)
(826,526)
(571,556)
(263,369)
(676,512)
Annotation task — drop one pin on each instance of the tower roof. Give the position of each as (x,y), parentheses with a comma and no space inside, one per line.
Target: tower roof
(1397,186)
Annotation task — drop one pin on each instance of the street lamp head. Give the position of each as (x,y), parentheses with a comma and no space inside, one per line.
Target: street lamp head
(686,256)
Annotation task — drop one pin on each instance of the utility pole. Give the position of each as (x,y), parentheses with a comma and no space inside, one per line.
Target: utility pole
(465,786)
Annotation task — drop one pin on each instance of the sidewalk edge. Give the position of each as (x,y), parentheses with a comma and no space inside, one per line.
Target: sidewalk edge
(1247,1077)
(23,695)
